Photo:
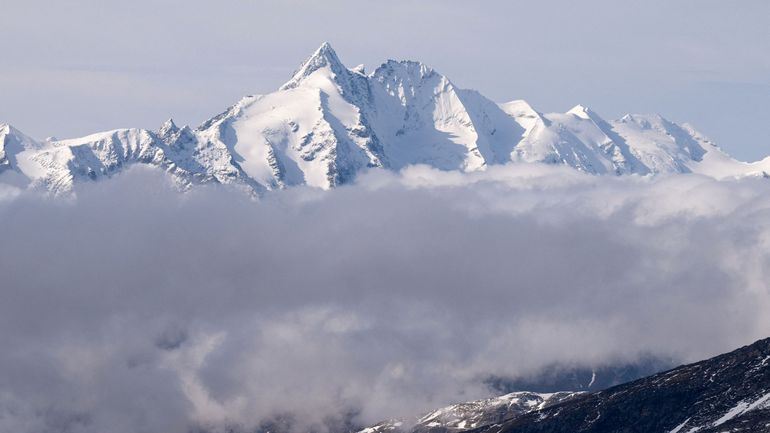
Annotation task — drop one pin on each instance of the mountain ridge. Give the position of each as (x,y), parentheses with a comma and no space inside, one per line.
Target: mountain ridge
(329,123)
(464,416)
(727,393)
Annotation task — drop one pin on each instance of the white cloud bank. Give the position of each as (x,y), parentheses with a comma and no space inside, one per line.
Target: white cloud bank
(136,309)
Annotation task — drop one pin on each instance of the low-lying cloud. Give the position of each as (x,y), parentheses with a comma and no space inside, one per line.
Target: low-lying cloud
(134,308)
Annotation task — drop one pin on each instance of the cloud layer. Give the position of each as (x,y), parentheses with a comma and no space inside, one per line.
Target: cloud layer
(137,309)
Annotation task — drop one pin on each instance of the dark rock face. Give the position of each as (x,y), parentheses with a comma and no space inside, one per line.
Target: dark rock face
(728,393)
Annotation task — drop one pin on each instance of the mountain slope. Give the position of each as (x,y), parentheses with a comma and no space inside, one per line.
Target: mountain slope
(329,123)
(465,416)
(728,393)
(309,132)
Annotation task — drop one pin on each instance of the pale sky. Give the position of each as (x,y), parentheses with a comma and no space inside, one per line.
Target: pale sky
(76,67)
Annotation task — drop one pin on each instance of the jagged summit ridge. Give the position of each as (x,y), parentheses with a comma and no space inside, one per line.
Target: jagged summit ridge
(329,123)
(323,57)
(168,127)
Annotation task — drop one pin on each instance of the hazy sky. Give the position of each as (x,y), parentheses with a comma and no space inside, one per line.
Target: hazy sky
(75,67)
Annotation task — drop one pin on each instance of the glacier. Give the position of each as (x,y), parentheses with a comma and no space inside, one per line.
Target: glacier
(329,123)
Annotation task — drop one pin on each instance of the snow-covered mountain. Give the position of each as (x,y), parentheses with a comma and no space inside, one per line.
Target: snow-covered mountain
(328,123)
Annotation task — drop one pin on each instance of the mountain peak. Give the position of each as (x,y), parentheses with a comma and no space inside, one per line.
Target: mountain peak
(8,129)
(19,138)
(520,108)
(325,53)
(360,69)
(168,127)
(582,112)
(405,71)
(325,47)
(323,57)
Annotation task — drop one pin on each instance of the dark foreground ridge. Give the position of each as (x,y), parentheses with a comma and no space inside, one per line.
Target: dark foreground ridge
(728,393)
